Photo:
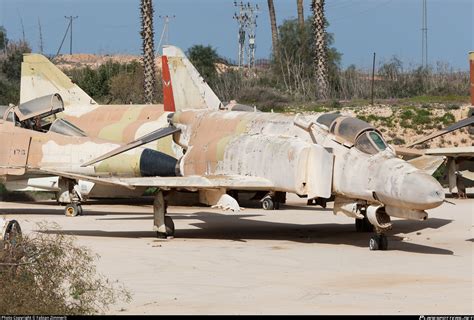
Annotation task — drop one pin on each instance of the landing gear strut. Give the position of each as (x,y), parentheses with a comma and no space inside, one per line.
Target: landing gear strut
(74,207)
(162,224)
(363,225)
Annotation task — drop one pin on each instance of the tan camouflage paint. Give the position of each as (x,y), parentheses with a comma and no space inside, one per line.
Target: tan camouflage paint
(30,150)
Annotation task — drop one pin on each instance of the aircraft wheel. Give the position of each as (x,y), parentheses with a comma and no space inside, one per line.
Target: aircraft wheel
(374,243)
(267,204)
(72,210)
(80,211)
(378,242)
(383,242)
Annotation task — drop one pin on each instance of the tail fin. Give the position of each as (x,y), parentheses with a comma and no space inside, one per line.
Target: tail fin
(40,77)
(183,86)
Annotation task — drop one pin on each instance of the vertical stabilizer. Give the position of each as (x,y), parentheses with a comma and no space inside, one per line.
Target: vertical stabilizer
(189,90)
(40,77)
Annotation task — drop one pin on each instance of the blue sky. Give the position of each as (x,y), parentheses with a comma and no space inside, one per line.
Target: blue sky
(361,27)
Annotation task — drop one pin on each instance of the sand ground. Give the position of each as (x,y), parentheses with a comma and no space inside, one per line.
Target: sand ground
(299,260)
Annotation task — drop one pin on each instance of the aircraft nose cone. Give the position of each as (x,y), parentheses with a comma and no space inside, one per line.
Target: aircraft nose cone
(421,191)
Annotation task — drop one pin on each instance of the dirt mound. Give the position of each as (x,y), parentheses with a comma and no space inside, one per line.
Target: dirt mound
(94,61)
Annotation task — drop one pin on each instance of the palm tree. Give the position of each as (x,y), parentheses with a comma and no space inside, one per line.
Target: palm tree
(148,49)
(271,10)
(299,4)
(320,58)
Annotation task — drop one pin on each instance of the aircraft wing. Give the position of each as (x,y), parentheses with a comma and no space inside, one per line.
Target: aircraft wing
(99,180)
(188,182)
(452,152)
(460,124)
(200,182)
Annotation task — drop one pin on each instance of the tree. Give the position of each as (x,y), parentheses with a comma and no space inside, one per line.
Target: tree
(320,57)
(3,38)
(204,59)
(273,24)
(11,65)
(296,55)
(44,273)
(299,4)
(148,48)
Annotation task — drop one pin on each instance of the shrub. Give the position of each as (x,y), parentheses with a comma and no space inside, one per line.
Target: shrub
(49,274)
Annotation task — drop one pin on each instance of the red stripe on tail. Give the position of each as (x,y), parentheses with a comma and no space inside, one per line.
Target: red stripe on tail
(168,98)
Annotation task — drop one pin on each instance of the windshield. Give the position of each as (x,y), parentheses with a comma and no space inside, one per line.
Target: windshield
(370,142)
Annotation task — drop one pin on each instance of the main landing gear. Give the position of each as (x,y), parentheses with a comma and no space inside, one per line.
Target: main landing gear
(163,225)
(71,198)
(73,209)
(379,240)
(273,200)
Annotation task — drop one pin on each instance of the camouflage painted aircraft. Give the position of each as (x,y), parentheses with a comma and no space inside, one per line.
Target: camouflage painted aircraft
(314,156)
(115,123)
(37,145)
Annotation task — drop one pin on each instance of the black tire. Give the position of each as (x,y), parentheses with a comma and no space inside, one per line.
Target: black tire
(276,205)
(80,210)
(383,242)
(267,204)
(169,226)
(367,226)
(374,243)
(71,210)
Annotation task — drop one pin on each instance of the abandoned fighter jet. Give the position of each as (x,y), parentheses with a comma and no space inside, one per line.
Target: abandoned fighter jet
(314,156)
(37,145)
(115,123)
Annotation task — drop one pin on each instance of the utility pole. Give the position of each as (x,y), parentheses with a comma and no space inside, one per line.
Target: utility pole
(242,20)
(165,32)
(71,18)
(424,36)
(40,37)
(247,19)
(252,29)
(373,80)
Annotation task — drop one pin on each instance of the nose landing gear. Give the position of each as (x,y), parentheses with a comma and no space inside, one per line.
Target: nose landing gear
(378,242)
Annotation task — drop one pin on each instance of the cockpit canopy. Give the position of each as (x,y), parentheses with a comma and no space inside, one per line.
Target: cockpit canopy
(42,107)
(355,131)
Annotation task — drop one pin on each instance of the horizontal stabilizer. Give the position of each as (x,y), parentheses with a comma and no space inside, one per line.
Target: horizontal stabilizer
(152,136)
